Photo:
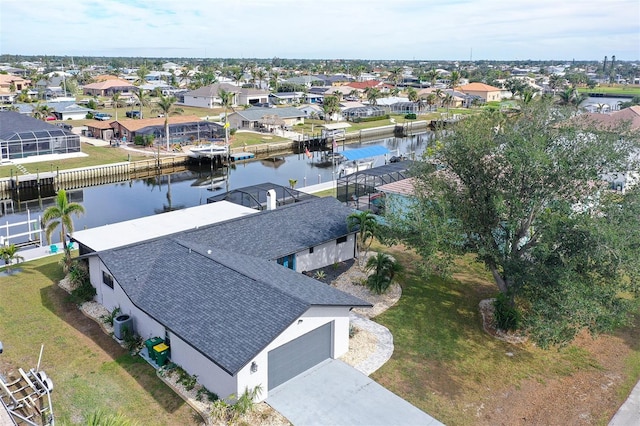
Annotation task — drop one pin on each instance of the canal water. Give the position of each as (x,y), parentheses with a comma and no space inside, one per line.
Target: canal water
(132,199)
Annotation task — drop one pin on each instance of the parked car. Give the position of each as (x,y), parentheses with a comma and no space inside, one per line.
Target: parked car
(134,114)
(102,116)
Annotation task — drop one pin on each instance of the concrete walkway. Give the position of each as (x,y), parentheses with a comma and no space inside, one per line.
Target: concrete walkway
(629,412)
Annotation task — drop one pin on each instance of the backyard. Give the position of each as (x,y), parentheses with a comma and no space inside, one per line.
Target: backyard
(443,361)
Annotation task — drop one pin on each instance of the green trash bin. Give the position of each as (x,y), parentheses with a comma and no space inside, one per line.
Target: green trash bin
(150,343)
(162,353)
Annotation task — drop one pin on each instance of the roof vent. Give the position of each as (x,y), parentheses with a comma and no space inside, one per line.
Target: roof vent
(208,251)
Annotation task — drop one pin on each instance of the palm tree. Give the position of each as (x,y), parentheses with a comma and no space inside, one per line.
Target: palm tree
(9,254)
(448,101)
(432,75)
(42,112)
(454,79)
(275,75)
(226,99)
(439,96)
(412,94)
(373,94)
(141,73)
(330,106)
(115,98)
(261,75)
(60,215)
(384,269)
(366,224)
(143,99)
(395,74)
(165,107)
(237,75)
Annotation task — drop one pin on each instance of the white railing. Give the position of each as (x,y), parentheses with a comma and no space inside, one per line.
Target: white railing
(33,232)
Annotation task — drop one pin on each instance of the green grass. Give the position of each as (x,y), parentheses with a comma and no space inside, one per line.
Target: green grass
(96,155)
(240,139)
(615,89)
(444,362)
(90,371)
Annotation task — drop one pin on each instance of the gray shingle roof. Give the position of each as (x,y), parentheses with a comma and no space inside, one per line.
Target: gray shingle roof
(273,234)
(212,90)
(227,305)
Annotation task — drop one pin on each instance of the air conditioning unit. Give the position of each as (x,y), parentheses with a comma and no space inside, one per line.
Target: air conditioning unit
(120,324)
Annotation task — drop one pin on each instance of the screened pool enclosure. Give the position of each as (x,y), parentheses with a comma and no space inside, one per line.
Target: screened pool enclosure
(22,136)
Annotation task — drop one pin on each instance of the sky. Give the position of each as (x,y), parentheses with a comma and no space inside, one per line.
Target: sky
(325,29)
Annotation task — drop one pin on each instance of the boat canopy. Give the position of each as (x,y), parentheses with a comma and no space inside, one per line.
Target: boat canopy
(368,152)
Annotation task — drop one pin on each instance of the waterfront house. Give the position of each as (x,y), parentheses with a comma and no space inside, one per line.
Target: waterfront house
(208,96)
(182,128)
(231,304)
(23,136)
(257,118)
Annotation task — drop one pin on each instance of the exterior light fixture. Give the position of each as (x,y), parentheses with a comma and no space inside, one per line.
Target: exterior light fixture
(254,367)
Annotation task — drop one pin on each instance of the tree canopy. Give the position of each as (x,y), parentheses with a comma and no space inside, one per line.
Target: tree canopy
(524,192)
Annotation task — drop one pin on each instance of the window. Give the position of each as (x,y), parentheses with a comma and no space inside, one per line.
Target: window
(107,279)
(341,240)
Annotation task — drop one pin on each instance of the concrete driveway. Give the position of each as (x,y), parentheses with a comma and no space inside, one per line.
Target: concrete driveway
(334,393)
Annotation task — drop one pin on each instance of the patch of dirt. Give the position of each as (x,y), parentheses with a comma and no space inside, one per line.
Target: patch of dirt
(584,397)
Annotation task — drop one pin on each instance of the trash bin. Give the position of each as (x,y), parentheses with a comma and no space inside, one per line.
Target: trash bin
(162,353)
(150,343)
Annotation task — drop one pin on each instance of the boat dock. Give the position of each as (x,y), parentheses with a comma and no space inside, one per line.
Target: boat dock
(239,156)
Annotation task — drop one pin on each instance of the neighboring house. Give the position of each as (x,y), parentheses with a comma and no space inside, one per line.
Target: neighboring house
(311,111)
(207,96)
(62,110)
(486,92)
(100,130)
(619,180)
(108,87)
(23,136)
(230,312)
(305,80)
(181,128)
(266,118)
(12,83)
(288,98)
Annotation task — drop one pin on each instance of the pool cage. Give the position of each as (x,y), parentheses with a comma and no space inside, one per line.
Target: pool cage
(184,133)
(255,196)
(354,114)
(39,142)
(359,190)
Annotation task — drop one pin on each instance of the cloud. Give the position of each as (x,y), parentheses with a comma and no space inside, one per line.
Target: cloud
(372,29)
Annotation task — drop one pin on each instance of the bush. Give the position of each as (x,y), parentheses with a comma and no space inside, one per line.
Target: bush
(108,319)
(506,315)
(82,291)
(132,341)
(410,116)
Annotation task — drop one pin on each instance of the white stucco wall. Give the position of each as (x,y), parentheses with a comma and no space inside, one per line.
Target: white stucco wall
(198,101)
(209,374)
(325,254)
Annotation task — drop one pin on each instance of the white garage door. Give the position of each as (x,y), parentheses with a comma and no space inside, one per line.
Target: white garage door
(299,355)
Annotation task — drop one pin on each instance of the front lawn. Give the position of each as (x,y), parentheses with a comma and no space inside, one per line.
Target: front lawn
(97,155)
(445,364)
(90,371)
